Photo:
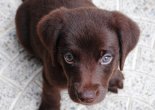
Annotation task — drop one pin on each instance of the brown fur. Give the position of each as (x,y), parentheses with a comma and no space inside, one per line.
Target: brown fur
(49,29)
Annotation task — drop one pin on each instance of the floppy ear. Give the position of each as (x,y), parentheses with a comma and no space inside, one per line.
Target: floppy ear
(128,34)
(49,28)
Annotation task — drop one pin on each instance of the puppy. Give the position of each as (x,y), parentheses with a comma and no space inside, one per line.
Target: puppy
(82,48)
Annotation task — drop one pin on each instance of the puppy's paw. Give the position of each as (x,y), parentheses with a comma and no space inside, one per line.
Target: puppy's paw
(116,82)
(45,106)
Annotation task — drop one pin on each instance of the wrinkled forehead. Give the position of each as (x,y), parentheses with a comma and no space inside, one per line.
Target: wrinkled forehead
(89,30)
(91,39)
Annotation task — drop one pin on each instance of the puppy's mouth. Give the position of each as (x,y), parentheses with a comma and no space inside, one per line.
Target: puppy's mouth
(87,101)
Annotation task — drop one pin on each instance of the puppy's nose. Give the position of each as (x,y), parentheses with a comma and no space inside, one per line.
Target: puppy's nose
(88,96)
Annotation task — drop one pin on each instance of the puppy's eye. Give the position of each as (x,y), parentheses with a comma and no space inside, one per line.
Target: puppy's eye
(69,58)
(106,59)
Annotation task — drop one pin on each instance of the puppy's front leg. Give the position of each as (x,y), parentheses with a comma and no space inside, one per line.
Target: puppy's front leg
(116,82)
(50,97)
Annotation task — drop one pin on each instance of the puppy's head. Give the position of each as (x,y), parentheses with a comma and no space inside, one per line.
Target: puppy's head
(90,45)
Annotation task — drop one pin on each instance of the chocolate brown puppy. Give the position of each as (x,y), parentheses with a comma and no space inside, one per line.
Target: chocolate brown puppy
(82,48)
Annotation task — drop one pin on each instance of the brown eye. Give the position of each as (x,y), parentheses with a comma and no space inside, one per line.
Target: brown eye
(69,58)
(106,59)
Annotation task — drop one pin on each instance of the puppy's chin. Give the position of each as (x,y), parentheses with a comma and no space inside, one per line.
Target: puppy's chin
(98,99)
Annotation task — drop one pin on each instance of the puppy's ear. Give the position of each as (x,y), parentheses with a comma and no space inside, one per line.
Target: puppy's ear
(128,34)
(49,28)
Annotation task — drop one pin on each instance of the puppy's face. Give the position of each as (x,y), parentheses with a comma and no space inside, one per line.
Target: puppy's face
(89,57)
(89,45)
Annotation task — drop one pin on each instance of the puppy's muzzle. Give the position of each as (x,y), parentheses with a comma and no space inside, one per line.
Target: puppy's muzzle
(86,94)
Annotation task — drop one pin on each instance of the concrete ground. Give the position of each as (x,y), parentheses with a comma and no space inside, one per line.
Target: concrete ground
(20,74)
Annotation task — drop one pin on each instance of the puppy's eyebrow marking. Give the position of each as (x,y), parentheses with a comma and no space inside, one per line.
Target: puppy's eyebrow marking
(107,49)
